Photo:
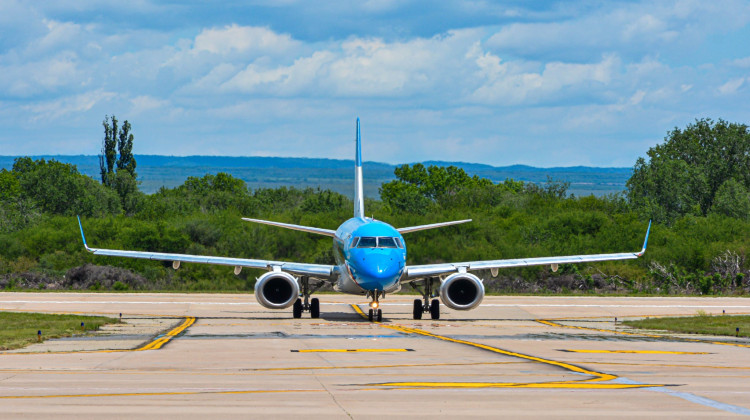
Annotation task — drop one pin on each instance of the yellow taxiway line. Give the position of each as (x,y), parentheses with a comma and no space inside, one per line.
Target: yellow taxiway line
(592,383)
(155,344)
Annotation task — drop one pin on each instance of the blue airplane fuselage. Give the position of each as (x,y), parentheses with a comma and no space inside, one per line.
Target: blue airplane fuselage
(370,255)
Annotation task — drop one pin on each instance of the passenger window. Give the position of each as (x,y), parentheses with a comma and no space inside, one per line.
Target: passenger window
(367,242)
(385,242)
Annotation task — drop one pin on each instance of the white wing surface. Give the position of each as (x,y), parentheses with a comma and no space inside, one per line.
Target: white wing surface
(416,272)
(320,271)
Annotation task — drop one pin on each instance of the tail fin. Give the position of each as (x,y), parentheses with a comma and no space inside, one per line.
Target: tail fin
(359,197)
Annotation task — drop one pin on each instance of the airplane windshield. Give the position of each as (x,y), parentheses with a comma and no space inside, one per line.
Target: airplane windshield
(367,242)
(373,242)
(386,243)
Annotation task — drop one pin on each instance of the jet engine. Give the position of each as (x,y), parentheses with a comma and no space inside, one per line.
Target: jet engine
(462,291)
(276,290)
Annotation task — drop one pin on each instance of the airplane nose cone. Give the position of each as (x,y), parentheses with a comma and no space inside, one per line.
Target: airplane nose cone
(380,267)
(378,270)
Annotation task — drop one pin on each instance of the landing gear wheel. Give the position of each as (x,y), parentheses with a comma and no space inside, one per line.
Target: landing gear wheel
(297,308)
(380,315)
(370,315)
(435,309)
(417,309)
(314,308)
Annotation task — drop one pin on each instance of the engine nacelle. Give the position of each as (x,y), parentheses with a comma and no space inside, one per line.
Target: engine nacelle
(462,291)
(276,290)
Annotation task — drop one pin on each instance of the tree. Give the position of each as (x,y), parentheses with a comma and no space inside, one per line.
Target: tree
(58,188)
(684,174)
(732,200)
(109,154)
(126,161)
(117,164)
(117,151)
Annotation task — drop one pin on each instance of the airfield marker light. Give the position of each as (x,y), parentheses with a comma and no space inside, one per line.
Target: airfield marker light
(723,312)
(82,327)
(120,316)
(737,332)
(39,336)
(615,320)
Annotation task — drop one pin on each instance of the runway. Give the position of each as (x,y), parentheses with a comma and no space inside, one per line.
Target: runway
(226,356)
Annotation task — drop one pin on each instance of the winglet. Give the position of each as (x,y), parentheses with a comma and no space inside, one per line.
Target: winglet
(82,235)
(645,241)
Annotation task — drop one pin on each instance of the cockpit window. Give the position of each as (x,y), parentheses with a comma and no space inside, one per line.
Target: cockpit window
(385,242)
(398,242)
(354,242)
(367,242)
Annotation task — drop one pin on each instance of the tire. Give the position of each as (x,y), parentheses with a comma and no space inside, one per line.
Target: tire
(435,309)
(380,315)
(369,315)
(314,308)
(297,308)
(417,309)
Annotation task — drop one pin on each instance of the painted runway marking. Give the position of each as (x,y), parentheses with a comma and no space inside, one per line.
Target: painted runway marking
(675,338)
(154,344)
(349,350)
(634,351)
(696,399)
(592,383)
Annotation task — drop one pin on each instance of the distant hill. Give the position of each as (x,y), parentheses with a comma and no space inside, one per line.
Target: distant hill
(155,171)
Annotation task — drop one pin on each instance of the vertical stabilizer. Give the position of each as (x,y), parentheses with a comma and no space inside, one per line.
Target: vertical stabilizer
(359,196)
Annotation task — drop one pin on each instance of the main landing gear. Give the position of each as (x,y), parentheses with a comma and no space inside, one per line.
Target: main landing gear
(424,305)
(312,305)
(375,313)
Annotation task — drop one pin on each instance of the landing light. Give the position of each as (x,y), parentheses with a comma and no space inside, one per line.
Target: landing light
(374,305)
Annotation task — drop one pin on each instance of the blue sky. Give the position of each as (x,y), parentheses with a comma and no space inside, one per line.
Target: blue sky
(540,83)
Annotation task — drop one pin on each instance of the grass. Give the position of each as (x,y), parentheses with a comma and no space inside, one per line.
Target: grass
(20,329)
(700,324)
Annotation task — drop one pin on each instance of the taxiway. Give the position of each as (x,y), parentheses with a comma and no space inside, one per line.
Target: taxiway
(226,356)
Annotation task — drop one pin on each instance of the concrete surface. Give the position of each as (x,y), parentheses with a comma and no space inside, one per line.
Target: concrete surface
(225,356)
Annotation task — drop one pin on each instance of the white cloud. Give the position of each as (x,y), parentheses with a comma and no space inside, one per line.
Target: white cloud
(507,87)
(54,110)
(613,72)
(241,39)
(731,86)
(146,103)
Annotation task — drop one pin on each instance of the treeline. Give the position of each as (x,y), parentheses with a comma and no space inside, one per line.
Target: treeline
(698,246)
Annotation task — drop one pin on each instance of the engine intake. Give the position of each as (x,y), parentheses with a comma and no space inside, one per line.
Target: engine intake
(276,290)
(462,291)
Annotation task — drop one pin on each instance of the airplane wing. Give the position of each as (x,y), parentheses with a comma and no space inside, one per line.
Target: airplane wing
(416,272)
(432,226)
(319,271)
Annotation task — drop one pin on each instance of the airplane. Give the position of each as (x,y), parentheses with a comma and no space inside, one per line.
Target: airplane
(370,260)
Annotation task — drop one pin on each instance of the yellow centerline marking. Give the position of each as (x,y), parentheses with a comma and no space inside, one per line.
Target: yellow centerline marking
(349,350)
(155,344)
(161,341)
(582,384)
(635,351)
(552,323)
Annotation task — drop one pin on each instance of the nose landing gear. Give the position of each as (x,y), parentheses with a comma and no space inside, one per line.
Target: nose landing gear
(375,313)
